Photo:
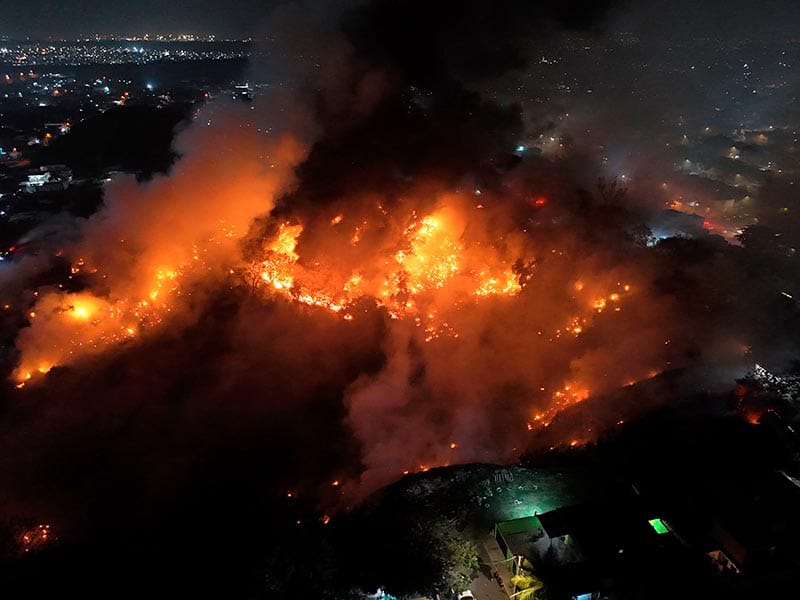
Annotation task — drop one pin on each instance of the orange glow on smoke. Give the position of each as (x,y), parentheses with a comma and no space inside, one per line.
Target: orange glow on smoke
(568,395)
(82,323)
(427,256)
(422,267)
(150,245)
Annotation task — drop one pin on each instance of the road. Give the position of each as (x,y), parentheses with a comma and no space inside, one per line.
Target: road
(484,586)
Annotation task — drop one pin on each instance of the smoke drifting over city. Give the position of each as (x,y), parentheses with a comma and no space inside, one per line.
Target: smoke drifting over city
(378,267)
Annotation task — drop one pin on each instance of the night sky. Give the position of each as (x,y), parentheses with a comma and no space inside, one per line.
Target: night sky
(423,234)
(74,18)
(242,18)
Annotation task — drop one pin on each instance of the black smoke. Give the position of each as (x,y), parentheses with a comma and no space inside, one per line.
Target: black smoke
(174,457)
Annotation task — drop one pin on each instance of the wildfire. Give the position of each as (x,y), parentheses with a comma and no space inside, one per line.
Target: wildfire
(507,284)
(35,538)
(426,274)
(425,268)
(280,258)
(428,256)
(84,323)
(568,395)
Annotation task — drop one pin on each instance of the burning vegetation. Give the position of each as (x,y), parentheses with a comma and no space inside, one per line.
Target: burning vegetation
(35,538)
(375,246)
(433,266)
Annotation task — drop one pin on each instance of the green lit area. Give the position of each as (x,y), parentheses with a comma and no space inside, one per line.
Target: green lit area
(659,526)
(491,494)
(523,525)
(508,529)
(525,493)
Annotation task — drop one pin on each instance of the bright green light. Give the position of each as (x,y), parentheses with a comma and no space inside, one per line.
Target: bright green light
(659,526)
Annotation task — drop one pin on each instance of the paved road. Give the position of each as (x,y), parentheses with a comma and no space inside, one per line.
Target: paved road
(484,586)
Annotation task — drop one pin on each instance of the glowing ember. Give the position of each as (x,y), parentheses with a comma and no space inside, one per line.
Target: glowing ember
(35,538)
(428,255)
(433,272)
(82,323)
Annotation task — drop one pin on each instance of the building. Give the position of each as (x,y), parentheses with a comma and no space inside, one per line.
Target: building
(47,178)
(588,550)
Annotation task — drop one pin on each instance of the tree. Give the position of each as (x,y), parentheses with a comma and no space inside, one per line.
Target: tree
(250,275)
(764,240)
(611,192)
(457,556)
(641,235)
(528,585)
(411,553)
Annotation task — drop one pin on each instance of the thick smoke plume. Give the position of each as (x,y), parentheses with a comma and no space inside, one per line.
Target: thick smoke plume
(151,242)
(363,263)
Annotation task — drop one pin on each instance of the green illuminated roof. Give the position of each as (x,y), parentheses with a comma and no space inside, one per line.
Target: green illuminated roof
(659,526)
(522,525)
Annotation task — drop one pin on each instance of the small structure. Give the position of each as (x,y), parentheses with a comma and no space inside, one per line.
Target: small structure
(759,529)
(47,178)
(243,92)
(584,549)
